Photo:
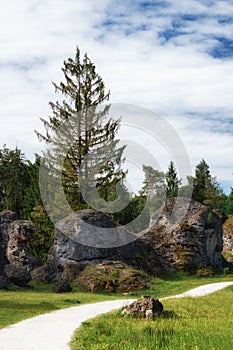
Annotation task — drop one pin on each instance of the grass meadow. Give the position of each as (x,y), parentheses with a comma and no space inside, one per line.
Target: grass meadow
(202,323)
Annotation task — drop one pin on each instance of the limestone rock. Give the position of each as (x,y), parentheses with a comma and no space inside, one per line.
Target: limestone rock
(228,239)
(6,218)
(18,250)
(146,307)
(18,275)
(62,286)
(183,236)
(181,242)
(4,281)
(67,250)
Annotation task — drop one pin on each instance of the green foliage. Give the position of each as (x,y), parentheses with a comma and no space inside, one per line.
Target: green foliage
(206,189)
(153,188)
(172,181)
(13,179)
(42,240)
(229,204)
(80,133)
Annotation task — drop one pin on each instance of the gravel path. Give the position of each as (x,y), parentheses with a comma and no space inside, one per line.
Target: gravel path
(53,331)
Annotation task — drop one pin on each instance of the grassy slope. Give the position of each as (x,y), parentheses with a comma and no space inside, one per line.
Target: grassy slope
(203,323)
(19,304)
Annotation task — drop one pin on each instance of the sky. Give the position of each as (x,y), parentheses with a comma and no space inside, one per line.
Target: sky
(172,57)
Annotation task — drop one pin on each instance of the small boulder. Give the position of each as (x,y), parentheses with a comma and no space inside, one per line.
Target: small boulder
(62,286)
(147,307)
(18,275)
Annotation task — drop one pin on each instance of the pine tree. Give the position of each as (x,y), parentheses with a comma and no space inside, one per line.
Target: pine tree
(202,181)
(172,181)
(229,203)
(13,179)
(206,189)
(154,187)
(80,132)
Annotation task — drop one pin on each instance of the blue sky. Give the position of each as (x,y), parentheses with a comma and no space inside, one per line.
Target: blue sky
(173,57)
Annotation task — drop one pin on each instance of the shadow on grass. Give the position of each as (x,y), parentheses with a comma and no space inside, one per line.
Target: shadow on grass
(168,314)
(44,305)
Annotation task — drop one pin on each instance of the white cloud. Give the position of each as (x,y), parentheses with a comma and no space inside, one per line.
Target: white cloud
(176,77)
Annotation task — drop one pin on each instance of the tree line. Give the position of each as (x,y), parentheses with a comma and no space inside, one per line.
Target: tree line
(84,150)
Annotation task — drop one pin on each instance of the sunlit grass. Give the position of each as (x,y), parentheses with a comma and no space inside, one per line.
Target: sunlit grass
(19,304)
(203,323)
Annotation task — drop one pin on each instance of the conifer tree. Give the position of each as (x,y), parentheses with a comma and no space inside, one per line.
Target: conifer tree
(81,131)
(154,187)
(13,179)
(172,181)
(206,189)
(229,203)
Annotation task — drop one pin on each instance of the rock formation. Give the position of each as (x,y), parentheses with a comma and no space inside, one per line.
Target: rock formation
(186,243)
(6,217)
(18,250)
(17,275)
(177,240)
(146,307)
(182,236)
(70,255)
(16,258)
(228,239)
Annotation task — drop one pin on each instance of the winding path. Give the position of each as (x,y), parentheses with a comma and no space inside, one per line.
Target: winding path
(55,329)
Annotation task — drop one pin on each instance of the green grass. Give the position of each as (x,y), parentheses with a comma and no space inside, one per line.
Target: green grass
(19,304)
(203,323)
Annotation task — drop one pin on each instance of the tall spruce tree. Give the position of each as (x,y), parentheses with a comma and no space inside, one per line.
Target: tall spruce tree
(153,188)
(206,189)
(172,181)
(13,179)
(229,203)
(81,131)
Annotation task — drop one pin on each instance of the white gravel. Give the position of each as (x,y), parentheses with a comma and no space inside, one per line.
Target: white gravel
(53,331)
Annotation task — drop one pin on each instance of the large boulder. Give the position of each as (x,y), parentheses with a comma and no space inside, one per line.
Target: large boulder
(182,240)
(92,227)
(228,239)
(18,275)
(18,249)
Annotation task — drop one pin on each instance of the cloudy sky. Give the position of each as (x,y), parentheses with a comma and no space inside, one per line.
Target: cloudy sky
(173,57)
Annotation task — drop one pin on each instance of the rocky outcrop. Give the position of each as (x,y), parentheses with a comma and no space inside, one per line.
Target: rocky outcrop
(18,250)
(182,236)
(228,239)
(16,257)
(6,217)
(72,256)
(4,281)
(146,307)
(176,242)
